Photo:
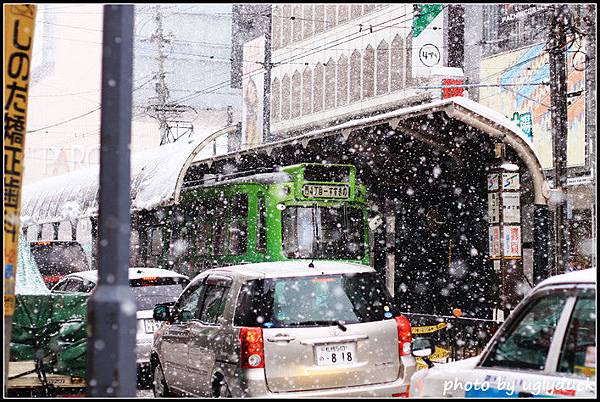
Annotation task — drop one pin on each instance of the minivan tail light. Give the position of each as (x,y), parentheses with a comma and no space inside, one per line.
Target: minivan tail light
(404,335)
(252,351)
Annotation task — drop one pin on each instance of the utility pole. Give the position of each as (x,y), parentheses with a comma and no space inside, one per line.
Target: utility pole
(111,360)
(162,92)
(558,99)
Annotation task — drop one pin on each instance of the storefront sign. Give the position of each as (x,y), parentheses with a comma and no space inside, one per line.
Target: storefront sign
(253,89)
(512,241)
(494,241)
(511,207)
(19,22)
(493,208)
(428,38)
(510,181)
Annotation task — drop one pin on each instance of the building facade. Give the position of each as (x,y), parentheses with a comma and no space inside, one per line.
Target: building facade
(192,49)
(514,71)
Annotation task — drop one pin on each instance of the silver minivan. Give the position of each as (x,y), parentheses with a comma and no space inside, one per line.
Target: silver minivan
(277,329)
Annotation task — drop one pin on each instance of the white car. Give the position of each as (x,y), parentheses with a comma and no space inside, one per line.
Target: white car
(150,286)
(546,348)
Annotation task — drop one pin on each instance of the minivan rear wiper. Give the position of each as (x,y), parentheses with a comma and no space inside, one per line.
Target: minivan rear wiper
(339,323)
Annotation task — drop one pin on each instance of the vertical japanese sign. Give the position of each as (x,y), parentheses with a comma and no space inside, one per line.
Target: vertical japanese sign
(18,42)
(253,89)
(427,38)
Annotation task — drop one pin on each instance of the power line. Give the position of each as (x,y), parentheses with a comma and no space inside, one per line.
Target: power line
(81,115)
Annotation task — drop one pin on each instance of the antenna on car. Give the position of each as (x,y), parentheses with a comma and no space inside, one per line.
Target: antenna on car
(311,265)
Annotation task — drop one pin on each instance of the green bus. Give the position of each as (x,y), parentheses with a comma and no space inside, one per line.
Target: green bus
(306,211)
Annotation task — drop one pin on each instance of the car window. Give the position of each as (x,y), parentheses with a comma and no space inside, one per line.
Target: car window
(578,354)
(73,285)
(187,306)
(314,300)
(526,344)
(213,303)
(60,286)
(151,291)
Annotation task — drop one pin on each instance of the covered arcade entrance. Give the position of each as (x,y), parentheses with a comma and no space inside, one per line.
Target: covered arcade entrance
(426,170)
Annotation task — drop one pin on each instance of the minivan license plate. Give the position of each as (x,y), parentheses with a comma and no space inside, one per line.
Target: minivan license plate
(151,326)
(336,354)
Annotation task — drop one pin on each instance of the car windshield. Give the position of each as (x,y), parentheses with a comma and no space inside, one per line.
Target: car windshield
(313,301)
(323,232)
(149,292)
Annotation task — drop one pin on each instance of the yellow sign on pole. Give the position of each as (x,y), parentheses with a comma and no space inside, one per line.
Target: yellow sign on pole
(19,21)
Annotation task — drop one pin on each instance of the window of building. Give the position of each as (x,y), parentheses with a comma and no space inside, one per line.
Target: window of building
(383,70)
(47,231)
(355,73)
(398,64)
(286,22)
(296,94)
(319,18)
(318,88)
(297,23)
(64,230)
(369,72)
(343,11)
(330,16)
(275,100)
(285,98)
(276,27)
(307,91)
(308,20)
(367,8)
(342,81)
(330,82)
(355,11)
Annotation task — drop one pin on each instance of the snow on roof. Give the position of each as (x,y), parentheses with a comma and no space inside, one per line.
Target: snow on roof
(134,273)
(575,277)
(295,268)
(154,175)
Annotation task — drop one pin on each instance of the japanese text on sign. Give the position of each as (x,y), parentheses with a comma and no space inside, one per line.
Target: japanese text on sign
(18,40)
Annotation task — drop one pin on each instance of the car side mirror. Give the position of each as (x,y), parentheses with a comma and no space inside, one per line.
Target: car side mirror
(422,347)
(161,312)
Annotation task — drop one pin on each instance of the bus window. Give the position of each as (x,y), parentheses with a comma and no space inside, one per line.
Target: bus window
(323,232)
(238,226)
(261,229)
(156,241)
(219,238)
(203,238)
(134,248)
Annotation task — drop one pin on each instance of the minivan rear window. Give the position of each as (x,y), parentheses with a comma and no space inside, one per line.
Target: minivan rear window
(313,301)
(149,292)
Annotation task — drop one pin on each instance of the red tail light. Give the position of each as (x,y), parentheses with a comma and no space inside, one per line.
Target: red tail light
(252,352)
(404,335)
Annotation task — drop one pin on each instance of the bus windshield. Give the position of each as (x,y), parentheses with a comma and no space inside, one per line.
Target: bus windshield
(323,232)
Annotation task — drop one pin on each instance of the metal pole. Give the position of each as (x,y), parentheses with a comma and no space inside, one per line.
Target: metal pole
(111,367)
(558,99)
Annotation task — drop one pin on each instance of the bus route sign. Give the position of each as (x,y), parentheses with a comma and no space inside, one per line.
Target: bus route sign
(325,191)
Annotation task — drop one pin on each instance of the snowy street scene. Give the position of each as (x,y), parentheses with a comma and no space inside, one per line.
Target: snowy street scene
(300,200)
